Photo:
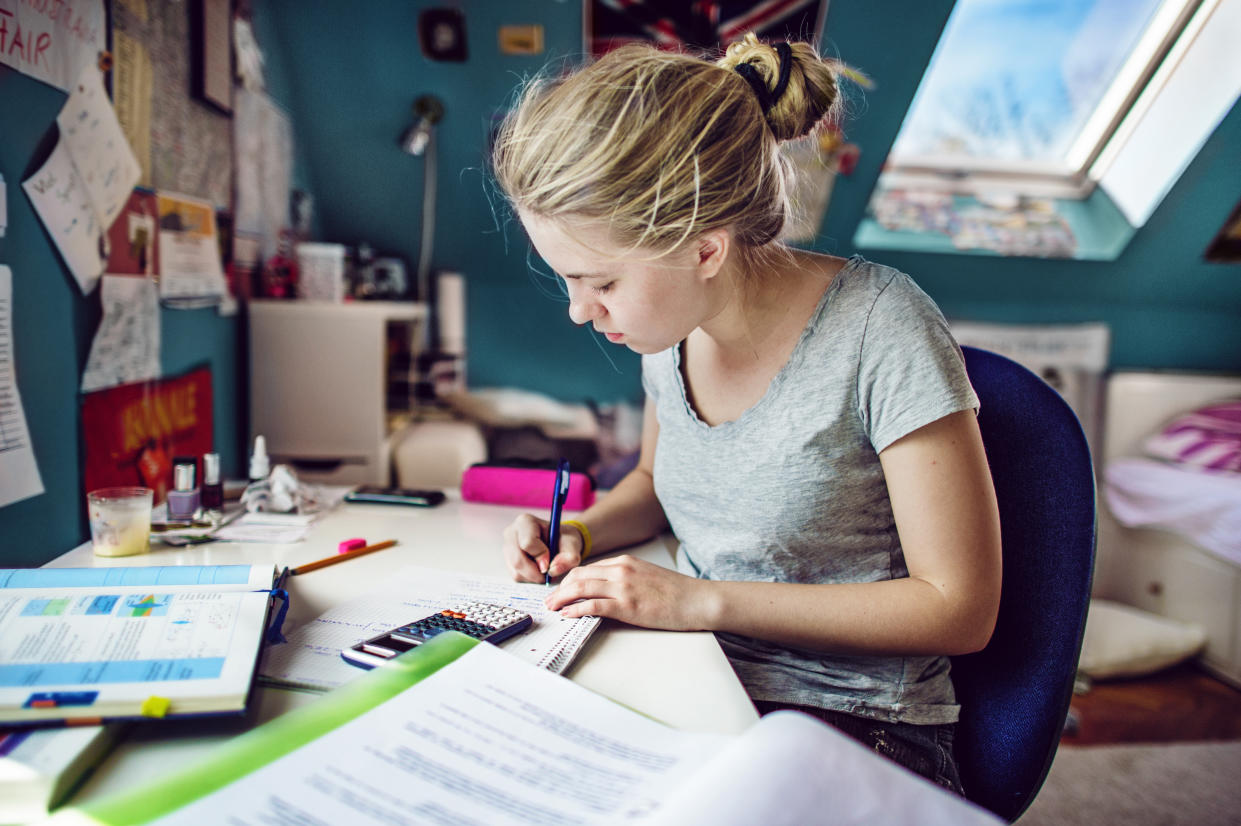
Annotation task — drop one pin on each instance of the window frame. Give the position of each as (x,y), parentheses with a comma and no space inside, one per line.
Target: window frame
(1137,82)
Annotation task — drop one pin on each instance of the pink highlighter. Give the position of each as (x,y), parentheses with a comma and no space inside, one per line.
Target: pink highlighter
(523,486)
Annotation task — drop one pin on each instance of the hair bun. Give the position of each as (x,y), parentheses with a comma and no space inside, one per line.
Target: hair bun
(795,88)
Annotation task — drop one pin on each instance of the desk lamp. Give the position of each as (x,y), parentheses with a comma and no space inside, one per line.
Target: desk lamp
(419,140)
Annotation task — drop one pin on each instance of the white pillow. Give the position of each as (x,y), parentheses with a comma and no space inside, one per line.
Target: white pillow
(1123,641)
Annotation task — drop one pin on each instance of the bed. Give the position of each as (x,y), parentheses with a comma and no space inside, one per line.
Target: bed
(1178,555)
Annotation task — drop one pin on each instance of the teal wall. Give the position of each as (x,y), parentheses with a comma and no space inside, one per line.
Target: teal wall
(1167,308)
(348,73)
(352,94)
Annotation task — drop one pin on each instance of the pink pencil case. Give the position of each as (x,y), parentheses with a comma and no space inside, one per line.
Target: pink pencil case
(524,486)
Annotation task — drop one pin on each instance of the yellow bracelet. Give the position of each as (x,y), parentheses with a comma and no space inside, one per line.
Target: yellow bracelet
(584,531)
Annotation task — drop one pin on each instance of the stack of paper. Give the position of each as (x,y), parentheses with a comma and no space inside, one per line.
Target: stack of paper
(460,732)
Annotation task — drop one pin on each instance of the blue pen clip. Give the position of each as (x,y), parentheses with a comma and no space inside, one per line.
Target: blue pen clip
(553,529)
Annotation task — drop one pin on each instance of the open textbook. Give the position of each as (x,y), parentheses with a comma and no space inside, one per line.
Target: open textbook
(311,657)
(79,644)
(457,732)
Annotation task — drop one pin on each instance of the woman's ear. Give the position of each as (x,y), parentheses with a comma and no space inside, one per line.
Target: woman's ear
(712,250)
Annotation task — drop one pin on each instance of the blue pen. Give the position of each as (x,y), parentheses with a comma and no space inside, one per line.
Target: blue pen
(553,529)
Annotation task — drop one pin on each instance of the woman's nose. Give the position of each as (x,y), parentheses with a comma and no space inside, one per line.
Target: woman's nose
(583,309)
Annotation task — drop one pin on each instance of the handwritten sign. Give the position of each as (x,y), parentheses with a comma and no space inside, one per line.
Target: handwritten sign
(51,40)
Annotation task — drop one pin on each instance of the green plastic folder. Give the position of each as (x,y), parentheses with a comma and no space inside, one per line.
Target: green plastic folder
(270,741)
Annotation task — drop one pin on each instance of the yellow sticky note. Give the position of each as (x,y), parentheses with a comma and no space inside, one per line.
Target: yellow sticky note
(155,706)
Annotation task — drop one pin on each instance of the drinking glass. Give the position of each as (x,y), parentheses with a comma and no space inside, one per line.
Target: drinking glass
(120,520)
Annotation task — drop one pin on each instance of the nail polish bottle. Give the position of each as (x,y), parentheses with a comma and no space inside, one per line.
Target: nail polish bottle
(212,493)
(183,498)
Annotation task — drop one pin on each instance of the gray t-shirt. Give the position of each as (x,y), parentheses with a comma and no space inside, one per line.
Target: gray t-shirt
(792,491)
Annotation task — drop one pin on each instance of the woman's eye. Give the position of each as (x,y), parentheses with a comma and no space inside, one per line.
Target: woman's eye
(603,288)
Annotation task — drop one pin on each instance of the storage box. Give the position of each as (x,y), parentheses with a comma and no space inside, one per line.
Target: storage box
(321,272)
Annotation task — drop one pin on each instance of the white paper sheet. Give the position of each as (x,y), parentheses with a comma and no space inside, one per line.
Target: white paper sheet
(488,739)
(86,180)
(60,199)
(485,739)
(19,472)
(126,345)
(789,770)
(311,657)
(93,135)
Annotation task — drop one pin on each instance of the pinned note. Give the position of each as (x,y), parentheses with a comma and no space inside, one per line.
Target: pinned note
(81,188)
(126,345)
(19,472)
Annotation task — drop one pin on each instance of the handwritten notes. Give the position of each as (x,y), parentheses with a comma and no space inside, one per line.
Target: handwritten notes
(19,473)
(89,127)
(81,188)
(126,345)
(59,197)
(52,41)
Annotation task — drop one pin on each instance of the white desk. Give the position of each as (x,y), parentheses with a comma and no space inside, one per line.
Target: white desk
(682,679)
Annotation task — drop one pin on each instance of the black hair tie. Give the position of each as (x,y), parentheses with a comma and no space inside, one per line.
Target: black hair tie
(769,97)
(786,67)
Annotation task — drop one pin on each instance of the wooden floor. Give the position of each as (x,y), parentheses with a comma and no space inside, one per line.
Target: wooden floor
(1181,704)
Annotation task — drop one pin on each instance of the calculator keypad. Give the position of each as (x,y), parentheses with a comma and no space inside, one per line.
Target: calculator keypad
(477,619)
(481,620)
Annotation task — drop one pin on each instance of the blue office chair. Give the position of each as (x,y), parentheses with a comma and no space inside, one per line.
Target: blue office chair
(1014,694)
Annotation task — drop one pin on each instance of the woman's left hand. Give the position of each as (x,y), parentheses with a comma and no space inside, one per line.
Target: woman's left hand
(635,591)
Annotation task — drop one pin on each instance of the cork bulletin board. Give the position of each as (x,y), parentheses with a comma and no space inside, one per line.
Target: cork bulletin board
(190,140)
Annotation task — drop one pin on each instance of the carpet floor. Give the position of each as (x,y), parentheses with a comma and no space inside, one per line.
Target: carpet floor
(1141,785)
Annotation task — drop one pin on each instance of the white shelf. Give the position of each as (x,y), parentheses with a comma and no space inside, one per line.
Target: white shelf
(319,383)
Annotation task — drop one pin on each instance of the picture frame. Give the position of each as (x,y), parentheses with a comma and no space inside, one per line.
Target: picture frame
(211,63)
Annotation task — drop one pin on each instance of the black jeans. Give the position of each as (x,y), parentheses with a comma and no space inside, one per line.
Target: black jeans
(924,750)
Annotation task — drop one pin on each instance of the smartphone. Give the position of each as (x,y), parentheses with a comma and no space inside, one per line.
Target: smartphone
(376,494)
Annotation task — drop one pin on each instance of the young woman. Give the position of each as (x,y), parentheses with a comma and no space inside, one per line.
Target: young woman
(809,432)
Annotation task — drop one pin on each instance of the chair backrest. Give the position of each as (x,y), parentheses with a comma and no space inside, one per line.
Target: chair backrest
(1014,694)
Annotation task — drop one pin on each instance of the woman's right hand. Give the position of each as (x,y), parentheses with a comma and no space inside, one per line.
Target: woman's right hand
(526,554)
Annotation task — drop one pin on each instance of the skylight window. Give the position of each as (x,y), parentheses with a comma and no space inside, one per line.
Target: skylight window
(1026,95)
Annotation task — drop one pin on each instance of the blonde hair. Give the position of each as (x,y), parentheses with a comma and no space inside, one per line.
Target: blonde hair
(663,146)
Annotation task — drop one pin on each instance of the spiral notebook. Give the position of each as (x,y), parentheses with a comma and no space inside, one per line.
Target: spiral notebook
(311,659)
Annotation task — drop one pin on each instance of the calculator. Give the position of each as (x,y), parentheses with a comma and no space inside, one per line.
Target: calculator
(481,620)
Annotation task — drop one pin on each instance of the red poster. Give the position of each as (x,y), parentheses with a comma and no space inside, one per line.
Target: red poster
(133,431)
